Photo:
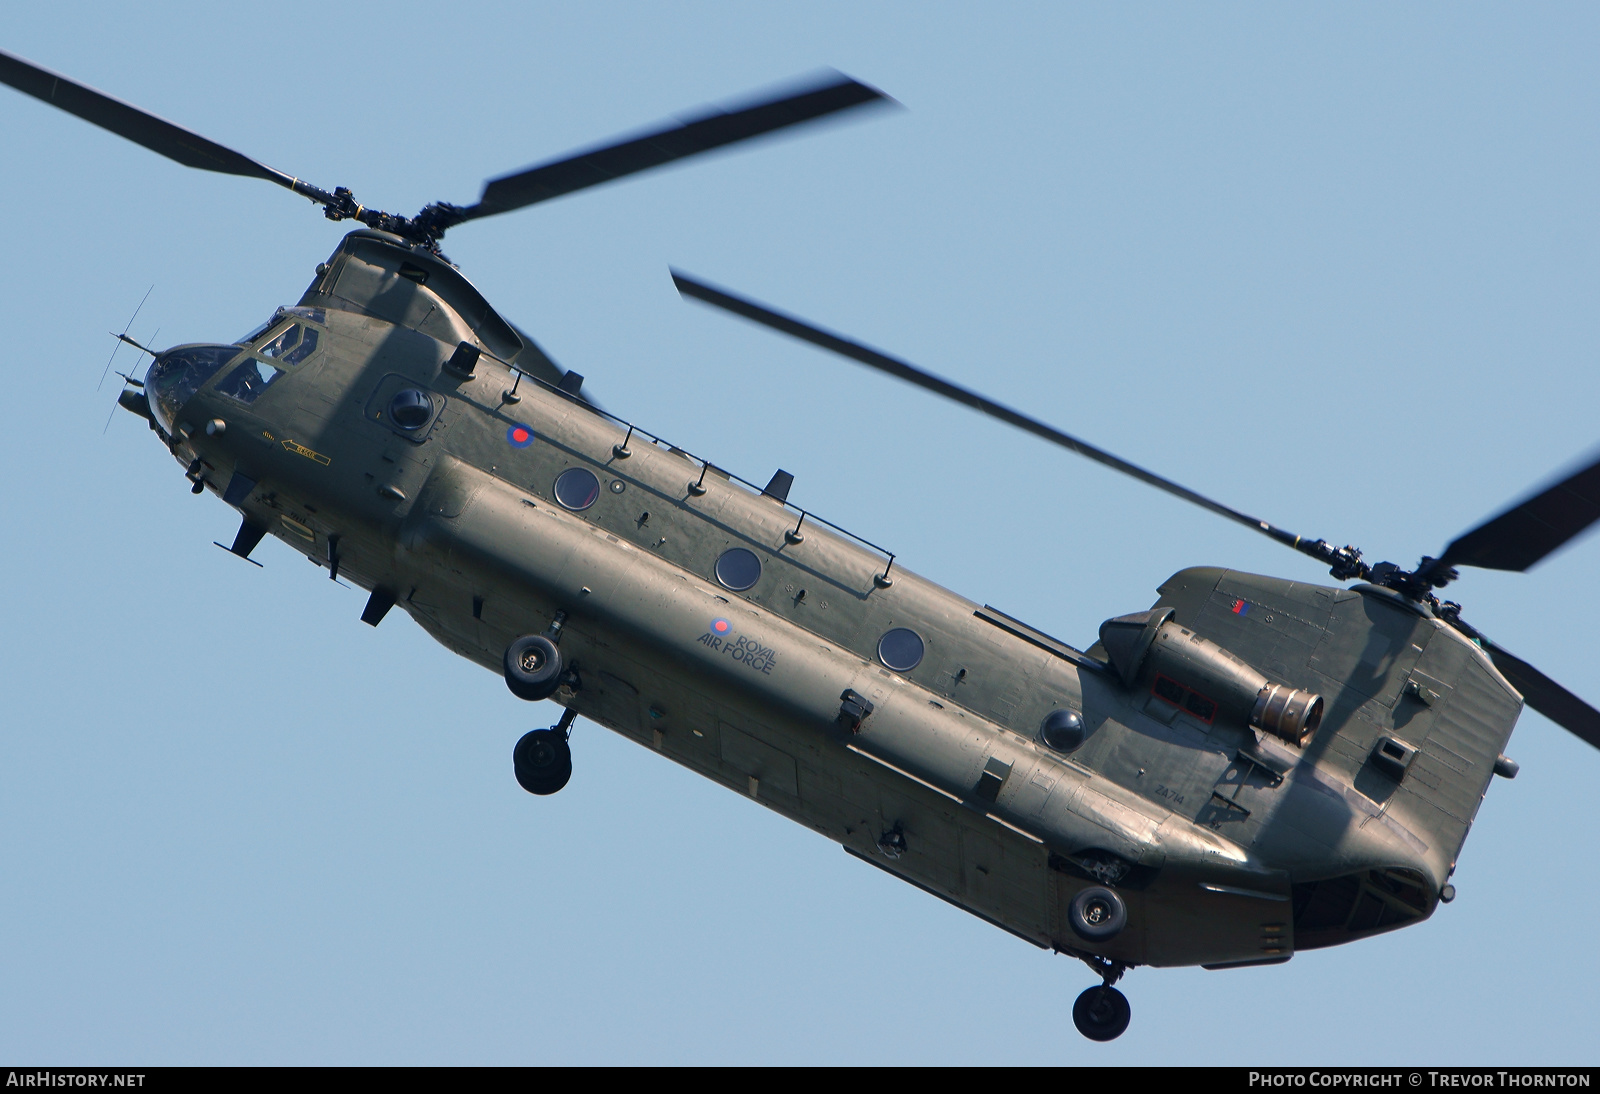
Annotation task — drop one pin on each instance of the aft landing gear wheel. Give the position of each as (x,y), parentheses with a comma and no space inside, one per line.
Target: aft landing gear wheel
(1102,1013)
(1097,914)
(533,667)
(543,760)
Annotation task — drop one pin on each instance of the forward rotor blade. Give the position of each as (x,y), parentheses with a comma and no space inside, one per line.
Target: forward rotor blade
(804,331)
(1546,696)
(672,142)
(1524,534)
(141,127)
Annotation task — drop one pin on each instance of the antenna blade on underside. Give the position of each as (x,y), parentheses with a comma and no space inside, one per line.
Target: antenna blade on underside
(866,355)
(672,142)
(1529,531)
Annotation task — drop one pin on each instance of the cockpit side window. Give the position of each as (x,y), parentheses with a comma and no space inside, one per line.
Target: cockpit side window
(307,346)
(291,346)
(249,380)
(281,344)
(316,315)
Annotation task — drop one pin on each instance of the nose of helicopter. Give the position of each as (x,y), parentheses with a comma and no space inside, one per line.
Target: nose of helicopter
(177,374)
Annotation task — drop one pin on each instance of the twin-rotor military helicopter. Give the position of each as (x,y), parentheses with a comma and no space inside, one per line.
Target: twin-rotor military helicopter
(1251,767)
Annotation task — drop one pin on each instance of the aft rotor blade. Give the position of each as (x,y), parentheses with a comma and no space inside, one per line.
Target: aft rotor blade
(1527,532)
(1546,696)
(798,328)
(672,142)
(141,127)
(534,361)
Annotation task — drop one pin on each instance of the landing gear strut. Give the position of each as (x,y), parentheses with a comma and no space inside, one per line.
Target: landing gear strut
(1102,1013)
(542,760)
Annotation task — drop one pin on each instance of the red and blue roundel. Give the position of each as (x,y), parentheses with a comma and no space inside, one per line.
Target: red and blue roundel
(720,626)
(519,436)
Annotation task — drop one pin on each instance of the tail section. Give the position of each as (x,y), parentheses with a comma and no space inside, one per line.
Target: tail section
(1370,817)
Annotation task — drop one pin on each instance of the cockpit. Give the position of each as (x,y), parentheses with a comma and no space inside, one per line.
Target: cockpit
(175,375)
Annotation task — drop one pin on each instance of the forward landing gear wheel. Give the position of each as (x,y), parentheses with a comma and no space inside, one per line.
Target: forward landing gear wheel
(542,761)
(533,667)
(1102,1013)
(1097,914)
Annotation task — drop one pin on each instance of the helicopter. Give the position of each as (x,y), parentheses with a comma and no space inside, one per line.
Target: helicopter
(923,823)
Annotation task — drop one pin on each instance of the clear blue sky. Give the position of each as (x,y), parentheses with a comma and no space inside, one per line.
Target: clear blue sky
(1336,266)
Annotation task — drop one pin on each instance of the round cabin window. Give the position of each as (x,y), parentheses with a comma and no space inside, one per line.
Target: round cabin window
(410,409)
(1062,730)
(576,488)
(900,649)
(738,569)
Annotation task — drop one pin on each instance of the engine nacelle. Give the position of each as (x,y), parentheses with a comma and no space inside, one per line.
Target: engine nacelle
(1199,676)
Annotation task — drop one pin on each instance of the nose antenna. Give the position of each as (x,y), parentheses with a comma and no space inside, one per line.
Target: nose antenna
(123,337)
(135,345)
(127,380)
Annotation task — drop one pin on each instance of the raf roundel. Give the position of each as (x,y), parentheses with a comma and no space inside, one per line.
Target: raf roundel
(519,436)
(720,626)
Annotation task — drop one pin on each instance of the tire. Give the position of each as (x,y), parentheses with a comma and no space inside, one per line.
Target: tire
(1102,1013)
(1097,914)
(533,667)
(542,761)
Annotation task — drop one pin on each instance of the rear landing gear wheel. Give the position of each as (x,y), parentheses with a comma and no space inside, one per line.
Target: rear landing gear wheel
(1097,914)
(542,761)
(533,667)
(1102,1013)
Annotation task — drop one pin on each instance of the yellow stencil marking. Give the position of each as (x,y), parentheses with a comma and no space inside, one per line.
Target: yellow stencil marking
(301,450)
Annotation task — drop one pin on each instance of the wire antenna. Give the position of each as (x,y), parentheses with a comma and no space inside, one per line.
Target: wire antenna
(123,337)
(126,379)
